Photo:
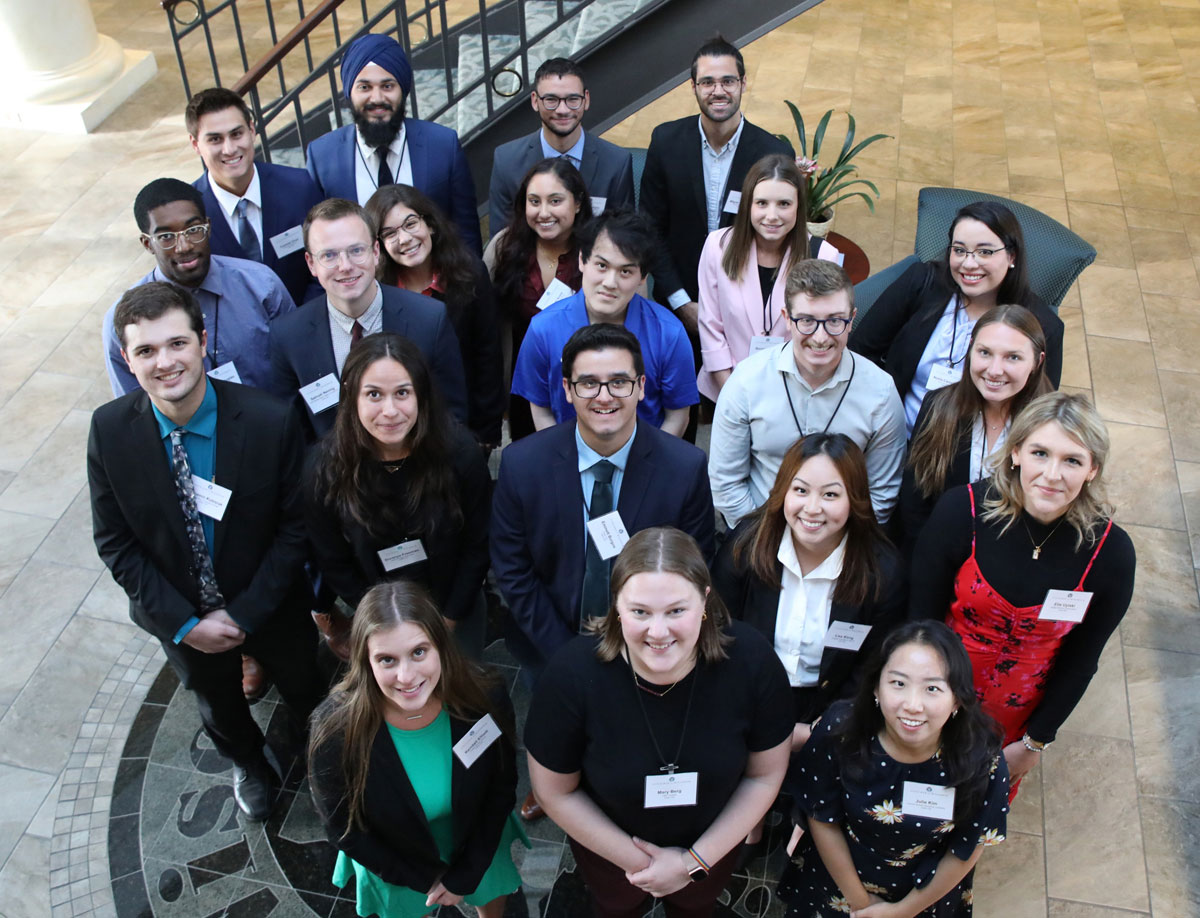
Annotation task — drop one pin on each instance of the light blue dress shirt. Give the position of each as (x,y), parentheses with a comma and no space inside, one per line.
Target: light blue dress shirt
(576,152)
(588,457)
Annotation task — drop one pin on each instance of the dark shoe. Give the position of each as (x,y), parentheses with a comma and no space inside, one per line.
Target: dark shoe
(254,789)
(531,810)
(254,679)
(335,629)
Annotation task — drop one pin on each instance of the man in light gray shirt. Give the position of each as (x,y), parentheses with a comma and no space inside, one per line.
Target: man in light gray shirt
(806,385)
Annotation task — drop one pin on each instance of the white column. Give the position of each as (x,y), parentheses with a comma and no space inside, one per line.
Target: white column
(58,73)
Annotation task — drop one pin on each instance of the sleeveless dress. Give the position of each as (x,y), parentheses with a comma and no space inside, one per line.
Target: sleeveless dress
(426,757)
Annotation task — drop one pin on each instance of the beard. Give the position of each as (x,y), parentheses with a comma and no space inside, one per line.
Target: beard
(378,134)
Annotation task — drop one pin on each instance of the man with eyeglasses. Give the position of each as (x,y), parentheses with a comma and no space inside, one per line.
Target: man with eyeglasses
(238,297)
(309,348)
(560,97)
(809,384)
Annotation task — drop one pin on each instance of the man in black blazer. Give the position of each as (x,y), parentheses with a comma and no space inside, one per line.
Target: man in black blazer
(309,350)
(560,97)
(196,510)
(694,172)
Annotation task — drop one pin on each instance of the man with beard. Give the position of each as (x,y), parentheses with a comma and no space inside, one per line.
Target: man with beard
(383,147)
(560,98)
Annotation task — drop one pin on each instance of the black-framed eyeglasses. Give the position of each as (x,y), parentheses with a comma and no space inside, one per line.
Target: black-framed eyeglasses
(409,225)
(834,325)
(193,234)
(708,84)
(574,101)
(621,387)
(981,254)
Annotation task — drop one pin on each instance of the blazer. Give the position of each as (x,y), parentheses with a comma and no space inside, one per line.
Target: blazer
(673,195)
(287,196)
(537,539)
(259,547)
(607,172)
(751,600)
(397,844)
(896,330)
(302,350)
(439,169)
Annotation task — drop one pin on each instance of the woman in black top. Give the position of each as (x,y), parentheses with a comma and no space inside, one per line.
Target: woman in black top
(917,330)
(422,252)
(658,744)
(398,490)
(1031,572)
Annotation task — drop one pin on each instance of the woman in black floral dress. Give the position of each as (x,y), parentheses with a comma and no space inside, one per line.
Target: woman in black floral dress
(899,790)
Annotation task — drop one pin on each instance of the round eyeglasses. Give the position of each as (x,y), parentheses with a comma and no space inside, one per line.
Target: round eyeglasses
(834,325)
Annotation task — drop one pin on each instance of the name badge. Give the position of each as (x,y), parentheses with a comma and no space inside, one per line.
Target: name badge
(1064,606)
(941,375)
(321,394)
(609,534)
(846,635)
(476,741)
(678,789)
(226,371)
(290,240)
(732,202)
(402,555)
(763,342)
(211,498)
(555,292)
(598,205)
(930,800)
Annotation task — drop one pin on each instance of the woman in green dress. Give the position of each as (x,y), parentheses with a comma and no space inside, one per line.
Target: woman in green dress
(413,768)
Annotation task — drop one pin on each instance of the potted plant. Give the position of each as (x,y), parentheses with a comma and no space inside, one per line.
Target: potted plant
(827,185)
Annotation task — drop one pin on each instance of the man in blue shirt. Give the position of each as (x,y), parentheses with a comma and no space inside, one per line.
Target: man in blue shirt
(197,513)
(238,298)
(614,251)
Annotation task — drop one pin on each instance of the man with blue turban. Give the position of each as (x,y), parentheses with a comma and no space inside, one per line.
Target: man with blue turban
(383,147)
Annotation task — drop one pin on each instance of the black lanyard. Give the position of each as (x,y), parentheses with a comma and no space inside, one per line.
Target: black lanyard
(954,333)
(399,165)
(672,766)
(768,322)
(788,392)
(216,331)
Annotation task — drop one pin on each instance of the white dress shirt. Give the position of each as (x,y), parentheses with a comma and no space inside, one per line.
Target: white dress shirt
(805,603)
(366,165)
(341,326)
(948,346)
(253,198)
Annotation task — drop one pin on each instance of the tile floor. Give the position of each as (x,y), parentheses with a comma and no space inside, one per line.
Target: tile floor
(1085,109)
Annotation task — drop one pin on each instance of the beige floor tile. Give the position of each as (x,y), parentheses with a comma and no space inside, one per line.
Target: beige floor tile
(20,536)
(1164,263)
(1061,908)
(1164,613)
(50,480)
(1026,813)
(1010,879)
(31,414)
(1112,301)
(1189,488)
(1104,710)
(1104,227)
(1133,396)
(1089,175)
(1181,397)
(1076,367)
(1174,332)
(1164,703)
(1172,853)
(1141,477)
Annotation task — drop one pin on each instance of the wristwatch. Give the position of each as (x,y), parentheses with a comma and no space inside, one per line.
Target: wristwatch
(698,871)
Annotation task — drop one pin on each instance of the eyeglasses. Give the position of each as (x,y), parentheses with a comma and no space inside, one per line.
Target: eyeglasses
(410,224)
(834,325)
(574,101)
(192,234)
(621,387)
(358,254)
(708,84)
(981,255)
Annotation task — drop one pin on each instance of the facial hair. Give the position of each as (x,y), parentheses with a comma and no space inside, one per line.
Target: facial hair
(376,134)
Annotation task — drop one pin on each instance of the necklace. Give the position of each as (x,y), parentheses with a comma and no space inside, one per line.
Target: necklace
(1037,546)
(391,466)
(648,690)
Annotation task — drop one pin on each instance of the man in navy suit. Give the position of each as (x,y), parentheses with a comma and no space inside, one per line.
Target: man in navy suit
(309,350)
(560,97)
(383,147)
(260,205)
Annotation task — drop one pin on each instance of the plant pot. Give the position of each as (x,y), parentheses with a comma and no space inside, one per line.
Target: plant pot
(821,227)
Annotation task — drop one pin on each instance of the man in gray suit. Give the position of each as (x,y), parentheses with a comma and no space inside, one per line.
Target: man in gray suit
(560,98)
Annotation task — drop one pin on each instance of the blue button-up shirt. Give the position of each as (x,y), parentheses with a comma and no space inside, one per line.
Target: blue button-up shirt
(717,164)
(576,152)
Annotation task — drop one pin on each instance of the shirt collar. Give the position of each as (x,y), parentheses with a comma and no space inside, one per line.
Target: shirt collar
(785,362)
(589,457)
(576,151)
(829,569)
(203,423)
(210,284)
(366,320)
(730,147)
(228,200)
(396,146)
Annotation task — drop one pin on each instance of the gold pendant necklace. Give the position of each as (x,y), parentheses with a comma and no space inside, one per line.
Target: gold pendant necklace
(1037,546)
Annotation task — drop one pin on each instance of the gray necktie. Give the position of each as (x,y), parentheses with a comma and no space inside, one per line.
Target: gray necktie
(247,238)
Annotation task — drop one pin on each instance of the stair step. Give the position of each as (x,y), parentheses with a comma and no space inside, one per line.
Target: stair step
(597,18)
(429,86)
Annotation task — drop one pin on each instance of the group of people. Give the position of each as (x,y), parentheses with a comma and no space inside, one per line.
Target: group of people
(889,629)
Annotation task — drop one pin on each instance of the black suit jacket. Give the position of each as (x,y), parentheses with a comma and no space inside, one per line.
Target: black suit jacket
(537,539)
(258,546)
(302,350)
(896,330)
(396,843)
(751,600)
(673,196)
(914,509)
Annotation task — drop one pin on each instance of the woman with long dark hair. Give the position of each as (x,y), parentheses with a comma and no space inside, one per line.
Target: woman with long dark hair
(900,790)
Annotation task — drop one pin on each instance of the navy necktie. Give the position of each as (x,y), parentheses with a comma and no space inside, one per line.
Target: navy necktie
(385,174)
(596,571)
(247,238)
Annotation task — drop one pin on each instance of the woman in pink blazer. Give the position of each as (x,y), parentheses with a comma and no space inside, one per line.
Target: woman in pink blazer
(743,269)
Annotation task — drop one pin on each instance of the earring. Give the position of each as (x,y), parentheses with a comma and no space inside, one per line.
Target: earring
(703,616)
(954,713)
(876,701)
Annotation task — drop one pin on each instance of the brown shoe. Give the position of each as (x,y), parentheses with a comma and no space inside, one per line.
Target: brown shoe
(254,680)
(336,631)
(531,810)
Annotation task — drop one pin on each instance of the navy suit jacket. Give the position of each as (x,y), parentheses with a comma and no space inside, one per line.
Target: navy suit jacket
(537,538)
(439,169)
(607,172)
(302,350)
(287,196)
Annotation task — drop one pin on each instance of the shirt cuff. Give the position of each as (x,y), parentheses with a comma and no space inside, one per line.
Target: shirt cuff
(187,627)
(678,298)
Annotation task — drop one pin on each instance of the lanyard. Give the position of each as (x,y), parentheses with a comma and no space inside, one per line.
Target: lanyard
(954,333)
(399,165)
(767,314)
(672,766)
(838,407)
(216,342)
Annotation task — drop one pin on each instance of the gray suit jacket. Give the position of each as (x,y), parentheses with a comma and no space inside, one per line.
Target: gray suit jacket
(607,171)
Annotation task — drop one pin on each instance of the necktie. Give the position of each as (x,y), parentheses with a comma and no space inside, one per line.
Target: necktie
(569,158)
(594,602)
(385,174)
(356,333)
(202,567)
(247,238)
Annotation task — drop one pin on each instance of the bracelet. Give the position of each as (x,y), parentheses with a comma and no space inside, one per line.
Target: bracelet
(699,860)
(1032,745)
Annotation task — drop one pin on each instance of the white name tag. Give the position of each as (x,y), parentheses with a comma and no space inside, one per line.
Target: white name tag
(211,498)
(290,240)
(598,205)
(732,202)
(846,635)
(762,342)
(555,292)
(476,740)
(402,555)
(609,534)
(941,375)
(930,800)
(321,394)
(1064,606)
(678,789)
(226,371)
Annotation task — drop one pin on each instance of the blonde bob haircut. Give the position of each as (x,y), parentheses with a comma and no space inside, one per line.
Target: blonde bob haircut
(1081,422)
(667,550)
